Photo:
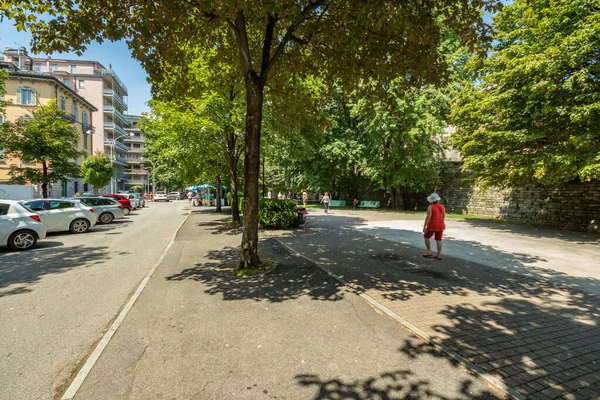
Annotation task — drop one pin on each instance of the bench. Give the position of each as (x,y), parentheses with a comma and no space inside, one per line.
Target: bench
(368,204)
(337,203)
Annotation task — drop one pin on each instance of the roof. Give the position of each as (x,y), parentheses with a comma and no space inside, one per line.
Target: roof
(47,76)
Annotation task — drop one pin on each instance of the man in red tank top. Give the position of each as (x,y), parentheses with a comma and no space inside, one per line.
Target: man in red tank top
(434,225)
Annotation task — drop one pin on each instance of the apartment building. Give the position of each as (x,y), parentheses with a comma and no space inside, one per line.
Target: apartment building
(101,87)
(135,173)
(28,90)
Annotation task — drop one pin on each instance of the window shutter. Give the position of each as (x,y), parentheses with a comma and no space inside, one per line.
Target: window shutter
(19,96)
(33,96)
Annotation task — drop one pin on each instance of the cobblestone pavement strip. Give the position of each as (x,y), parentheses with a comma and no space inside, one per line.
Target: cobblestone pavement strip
(539,338)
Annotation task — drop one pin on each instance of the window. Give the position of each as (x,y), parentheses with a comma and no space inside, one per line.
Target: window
(73,68)
(63,103)
(26,96)
(37,67)
(67,82)
(1,119)
(58,205)
(1,155)
(75,112)
(37,205)
(4,208)
(53,67)
(81,84)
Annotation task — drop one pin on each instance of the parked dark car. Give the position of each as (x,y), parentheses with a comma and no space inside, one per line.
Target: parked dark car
(121,198)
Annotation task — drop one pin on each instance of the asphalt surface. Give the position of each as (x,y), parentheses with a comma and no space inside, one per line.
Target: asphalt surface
(196,332)
(57,300)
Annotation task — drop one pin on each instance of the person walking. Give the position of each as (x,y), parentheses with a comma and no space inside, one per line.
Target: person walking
(304,198)
(190,195)
(325,201)
(434,225)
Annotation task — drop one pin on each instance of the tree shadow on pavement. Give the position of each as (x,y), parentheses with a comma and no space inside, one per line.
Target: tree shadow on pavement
(536,336)
(398,384)
(293,277)
(20,271)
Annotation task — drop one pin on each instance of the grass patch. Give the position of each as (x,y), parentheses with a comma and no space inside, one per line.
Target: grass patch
(262,268)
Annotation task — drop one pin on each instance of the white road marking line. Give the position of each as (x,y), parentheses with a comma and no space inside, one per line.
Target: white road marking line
(91,361)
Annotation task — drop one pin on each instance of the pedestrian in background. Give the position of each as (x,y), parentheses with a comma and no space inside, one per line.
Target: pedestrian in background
(325,201)
(189,196)
(269,194)
(434,225)
(304,197)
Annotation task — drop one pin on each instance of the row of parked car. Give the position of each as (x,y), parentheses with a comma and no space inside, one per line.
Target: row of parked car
(24,222)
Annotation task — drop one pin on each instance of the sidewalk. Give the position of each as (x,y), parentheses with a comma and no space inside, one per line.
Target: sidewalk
(540,338)
(196,332)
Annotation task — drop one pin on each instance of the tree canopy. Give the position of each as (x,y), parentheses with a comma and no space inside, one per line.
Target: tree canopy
(266,40)
(531,112)
(97,170)
(47,137)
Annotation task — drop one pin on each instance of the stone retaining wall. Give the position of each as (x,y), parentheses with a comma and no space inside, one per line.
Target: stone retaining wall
(574,206)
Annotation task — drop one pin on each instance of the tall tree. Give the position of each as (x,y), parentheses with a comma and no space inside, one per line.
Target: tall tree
(531,112)
(402,139)
(360,40)
(47,138)
(97,170)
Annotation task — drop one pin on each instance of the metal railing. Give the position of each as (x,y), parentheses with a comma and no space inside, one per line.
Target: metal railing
(119,114)
(119,145)
(111,73)
(114,95)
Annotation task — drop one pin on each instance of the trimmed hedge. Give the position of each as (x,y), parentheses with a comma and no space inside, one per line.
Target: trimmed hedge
(273,213)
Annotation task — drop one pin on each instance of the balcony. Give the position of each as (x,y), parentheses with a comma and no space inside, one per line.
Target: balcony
(119,145)
(133,139)
(117,113)
(135,150)
(118,130)
(134,171)
(109,73)
(112,94)
(117,159)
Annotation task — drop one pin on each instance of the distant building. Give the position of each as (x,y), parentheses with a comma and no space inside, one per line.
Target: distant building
(135,173)
(101,87)
(28,90)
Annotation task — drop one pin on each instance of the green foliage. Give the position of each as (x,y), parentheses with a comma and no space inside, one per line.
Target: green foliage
(531,113)
(136,188)
(97,170)
(274,213)
(47,138)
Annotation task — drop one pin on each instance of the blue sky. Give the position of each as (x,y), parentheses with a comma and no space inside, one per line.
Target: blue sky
(117,54)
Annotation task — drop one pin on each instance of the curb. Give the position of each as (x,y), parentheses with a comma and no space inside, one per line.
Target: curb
(496,383)
(82,374)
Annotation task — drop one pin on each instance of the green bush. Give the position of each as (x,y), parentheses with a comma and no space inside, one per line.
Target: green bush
(274,213)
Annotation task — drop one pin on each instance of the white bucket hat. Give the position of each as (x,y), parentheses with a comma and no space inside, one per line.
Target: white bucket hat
(433,197)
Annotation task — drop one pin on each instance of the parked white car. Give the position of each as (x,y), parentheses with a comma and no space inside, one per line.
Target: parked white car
(63,215)
(107,209)
(20,229)
(135,201)
(160,196)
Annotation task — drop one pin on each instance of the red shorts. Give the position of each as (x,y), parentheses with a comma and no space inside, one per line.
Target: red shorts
(438,235)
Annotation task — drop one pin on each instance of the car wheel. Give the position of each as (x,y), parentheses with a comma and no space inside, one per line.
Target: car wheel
(79,226)
(126,210)
(22,240)
(106,218)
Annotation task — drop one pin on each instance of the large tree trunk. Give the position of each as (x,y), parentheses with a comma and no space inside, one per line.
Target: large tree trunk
(397,200)
(235,207)
(254,104)
(45,184)
(218,194)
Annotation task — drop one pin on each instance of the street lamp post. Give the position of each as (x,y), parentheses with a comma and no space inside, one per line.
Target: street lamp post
(153,163)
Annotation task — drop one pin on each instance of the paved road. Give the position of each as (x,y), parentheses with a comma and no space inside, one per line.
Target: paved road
(541,339)
(197,332)
(569,258)
(56,301)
